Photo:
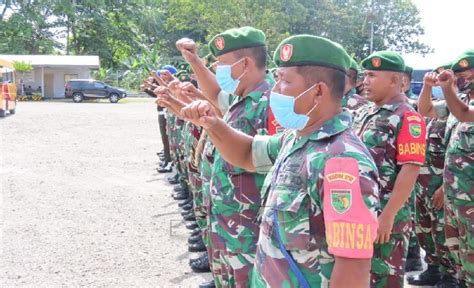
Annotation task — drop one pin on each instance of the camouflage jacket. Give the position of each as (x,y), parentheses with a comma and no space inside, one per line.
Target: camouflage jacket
(459,164)
(353,102)
(295,190)
(395,135)
(431,174)
(235,193)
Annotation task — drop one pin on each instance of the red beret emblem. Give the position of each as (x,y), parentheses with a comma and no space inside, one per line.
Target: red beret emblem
(376,62)
(463,63)
(286,51)
(219,42)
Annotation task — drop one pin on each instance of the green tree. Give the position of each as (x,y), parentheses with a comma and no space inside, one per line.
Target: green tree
(21,68)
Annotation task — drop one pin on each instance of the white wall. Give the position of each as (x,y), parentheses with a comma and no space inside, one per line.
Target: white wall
(82,72)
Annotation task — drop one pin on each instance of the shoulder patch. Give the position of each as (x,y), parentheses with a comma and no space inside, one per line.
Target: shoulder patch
(411,139)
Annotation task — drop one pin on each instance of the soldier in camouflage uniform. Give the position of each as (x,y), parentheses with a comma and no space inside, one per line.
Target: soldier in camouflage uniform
(430,224)
(323,187)
(351,100)
(413,262)
(459,164)
(395,135)
(235,193)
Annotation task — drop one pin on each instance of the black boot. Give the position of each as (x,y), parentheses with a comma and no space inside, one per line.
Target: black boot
(180,195)
(167,167)
(209,284)
(428,278)
(185,202)
(201,265)
(187,207)
(191,225)
(197,247)
(199,258)
(194,239)
(190,216)
(196,231)
(447,281)
(173,179)
(180,187)
(413,259)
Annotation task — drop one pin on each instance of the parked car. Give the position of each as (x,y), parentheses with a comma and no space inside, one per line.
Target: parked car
(80,89)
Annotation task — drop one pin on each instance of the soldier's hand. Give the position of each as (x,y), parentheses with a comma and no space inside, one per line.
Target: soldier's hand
(438,198)
(385,228)
(188,49)
(200,113)
(430,79)
(174,87)
(446,79)
(189,90)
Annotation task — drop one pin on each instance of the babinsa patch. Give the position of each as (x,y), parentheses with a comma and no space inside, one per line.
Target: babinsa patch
(415,129)
(341,200)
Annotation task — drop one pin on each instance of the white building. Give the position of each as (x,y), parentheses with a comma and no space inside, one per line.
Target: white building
(50,72)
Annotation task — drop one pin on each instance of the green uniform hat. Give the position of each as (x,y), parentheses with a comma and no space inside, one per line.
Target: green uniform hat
(408,70)
(464,62)
(384,61)
(354,66)
(235,39)
(302,50)
(441,68)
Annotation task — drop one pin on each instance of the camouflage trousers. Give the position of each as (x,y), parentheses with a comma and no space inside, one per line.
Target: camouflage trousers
(413,241)
(228,268)
(459,212)
(388,262)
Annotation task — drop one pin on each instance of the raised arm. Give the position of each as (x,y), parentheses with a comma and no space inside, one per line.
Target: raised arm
(206,79)
(425,104)
(460,110)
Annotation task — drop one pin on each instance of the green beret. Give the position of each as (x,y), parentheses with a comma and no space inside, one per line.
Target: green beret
(354,66)
(443,67)
(235,39)
(384,61)
(464,62)
(302,50)
(408,70)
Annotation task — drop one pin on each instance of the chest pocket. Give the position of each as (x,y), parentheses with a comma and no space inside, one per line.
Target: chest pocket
(466,137)
(376,136)
(292,204)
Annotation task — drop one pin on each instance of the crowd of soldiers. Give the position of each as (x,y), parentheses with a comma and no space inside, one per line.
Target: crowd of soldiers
(318,173)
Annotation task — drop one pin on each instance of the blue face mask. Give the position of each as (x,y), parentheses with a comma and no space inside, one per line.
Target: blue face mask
(283,107)
(225,80)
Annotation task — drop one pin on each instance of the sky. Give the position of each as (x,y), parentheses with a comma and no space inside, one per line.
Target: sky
(448,29)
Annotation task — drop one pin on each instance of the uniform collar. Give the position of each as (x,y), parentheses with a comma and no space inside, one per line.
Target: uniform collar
(261,88)
(333,126)
(391,105)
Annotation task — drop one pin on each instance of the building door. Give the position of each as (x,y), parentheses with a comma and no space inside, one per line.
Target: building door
(48,85)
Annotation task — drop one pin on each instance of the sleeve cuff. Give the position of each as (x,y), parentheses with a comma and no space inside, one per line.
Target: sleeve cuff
(223,101)
(260,158)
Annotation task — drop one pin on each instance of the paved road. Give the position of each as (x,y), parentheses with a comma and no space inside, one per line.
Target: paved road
(81,202)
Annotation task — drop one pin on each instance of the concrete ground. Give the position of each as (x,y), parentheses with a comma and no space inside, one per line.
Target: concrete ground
(81,202)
